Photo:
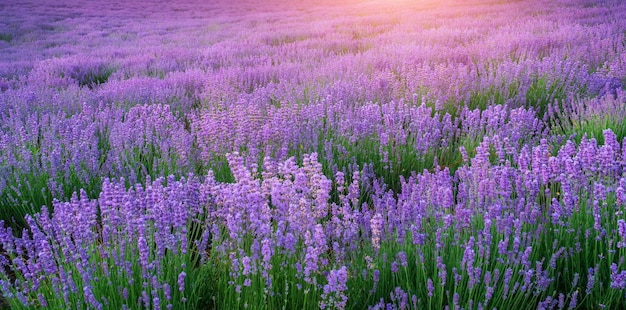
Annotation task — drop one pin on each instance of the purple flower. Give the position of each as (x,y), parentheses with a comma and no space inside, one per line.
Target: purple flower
(508,274)
(573,303)
(591,278)
(618,279)
(181,281)
(394,267)
(90,298)
(155,301)
(620,192)
(401,257)
(333,295)
(376,226)
(468,259)
(430,287)
(42,300)
(621,231)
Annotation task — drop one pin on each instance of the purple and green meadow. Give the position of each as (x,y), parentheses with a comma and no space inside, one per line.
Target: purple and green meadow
(353,154)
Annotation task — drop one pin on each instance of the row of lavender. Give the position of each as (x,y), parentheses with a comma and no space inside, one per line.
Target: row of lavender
(52,155)
(47,154)
(520,226)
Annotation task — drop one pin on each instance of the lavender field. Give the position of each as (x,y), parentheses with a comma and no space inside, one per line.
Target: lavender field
(353,154)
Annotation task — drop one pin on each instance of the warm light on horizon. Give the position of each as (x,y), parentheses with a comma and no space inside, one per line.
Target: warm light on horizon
(416,4)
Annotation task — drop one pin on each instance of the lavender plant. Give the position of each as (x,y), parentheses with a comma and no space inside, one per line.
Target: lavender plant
(125,250)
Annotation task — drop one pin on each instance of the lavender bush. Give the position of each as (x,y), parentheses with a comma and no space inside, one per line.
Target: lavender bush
(335,154)
(504,230)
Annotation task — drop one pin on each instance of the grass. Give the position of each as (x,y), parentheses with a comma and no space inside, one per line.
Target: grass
(94,77)
(593,126)
(544,91)
(590,117)
(6,37)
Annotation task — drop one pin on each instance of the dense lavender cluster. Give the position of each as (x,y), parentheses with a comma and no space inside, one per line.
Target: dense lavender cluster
(498,211)
(74,252)
(340,155)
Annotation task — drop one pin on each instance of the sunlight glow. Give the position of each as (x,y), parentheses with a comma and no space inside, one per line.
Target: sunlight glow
(414,4)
